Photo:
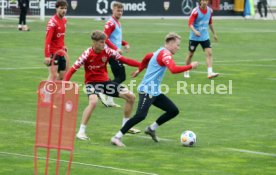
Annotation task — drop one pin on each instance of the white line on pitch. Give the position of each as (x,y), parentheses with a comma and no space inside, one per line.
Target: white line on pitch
(205,72)
(34,123)
(232,61)
(235,61)
(271,78)
(20,121)
(24,121)
(245,65)
(80,163)
(147,137)
(21,68)
(252,152)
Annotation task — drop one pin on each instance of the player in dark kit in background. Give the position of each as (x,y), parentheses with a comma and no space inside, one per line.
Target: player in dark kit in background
(113,30)
(262,3)
(24,6)
(149,88)
(95,59)
(54,42)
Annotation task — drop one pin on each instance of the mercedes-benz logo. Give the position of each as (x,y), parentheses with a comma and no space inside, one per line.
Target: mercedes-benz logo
(101,10)
(187,6)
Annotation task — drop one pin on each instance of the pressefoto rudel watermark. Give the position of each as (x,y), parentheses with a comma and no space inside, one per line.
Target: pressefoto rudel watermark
(182,87)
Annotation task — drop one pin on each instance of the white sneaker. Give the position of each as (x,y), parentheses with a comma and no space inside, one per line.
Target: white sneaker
(213,75)
(117,142)
(133,131)
(112,104)
(102,98)
(82,136)
(187,74)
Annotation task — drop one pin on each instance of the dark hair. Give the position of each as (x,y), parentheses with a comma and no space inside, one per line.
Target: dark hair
(61,3)
(172,37)
(98,35)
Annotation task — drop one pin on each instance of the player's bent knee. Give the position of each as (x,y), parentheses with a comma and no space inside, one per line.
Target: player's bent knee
(140,117)
(131,97)
(93,99)
(128,96)
(174,112)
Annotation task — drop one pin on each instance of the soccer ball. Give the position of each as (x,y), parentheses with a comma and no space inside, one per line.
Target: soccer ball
(188,138)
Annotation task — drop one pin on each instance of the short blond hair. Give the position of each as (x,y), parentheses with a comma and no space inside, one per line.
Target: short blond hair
(98,35)
(117,4)
(172,36)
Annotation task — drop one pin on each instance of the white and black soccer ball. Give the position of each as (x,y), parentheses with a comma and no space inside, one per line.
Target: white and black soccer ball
(188,138)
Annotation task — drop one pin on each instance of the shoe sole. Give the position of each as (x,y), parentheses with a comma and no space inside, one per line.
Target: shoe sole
(102,101)
(113,106)
(84,139)
(148,133)
(133,132)
(213,76)
(113,143)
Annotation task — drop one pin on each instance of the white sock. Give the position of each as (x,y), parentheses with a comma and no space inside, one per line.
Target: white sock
(82,128)
(19,26)
(119,134)
(154,126)
(109,99)
(124,121)
(187,72)
(210,70)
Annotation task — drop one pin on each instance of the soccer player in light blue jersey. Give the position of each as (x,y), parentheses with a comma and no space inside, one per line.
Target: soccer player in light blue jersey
(149,89)
(199,23)
(113,30)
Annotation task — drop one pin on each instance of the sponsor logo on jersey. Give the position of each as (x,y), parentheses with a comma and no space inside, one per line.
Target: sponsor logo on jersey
(60,34)
(104,59)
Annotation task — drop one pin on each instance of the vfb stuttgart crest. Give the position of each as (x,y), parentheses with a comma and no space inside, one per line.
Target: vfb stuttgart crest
(74,4)
(166,5)
(104,59)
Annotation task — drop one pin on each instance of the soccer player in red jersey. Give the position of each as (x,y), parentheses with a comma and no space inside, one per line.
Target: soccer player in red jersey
(113,30)
(54,42)
(95,59)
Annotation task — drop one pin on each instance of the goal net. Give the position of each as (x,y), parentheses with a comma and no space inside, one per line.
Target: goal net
(10,9)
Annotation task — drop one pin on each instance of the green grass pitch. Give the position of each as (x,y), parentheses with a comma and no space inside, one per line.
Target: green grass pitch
(236,133)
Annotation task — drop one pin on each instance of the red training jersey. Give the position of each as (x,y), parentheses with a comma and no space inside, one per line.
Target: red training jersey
(108,29)
(164,58)
(95,64)
(55,33)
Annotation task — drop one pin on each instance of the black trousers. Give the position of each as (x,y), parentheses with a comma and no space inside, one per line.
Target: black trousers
(23,14)
(118,70)
(262,3)
(145,101)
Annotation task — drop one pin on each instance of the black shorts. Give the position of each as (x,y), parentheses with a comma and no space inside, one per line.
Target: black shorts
(109,88)
(59,61)
(204,44)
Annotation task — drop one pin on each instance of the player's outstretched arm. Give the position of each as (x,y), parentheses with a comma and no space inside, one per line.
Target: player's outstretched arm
(143,65)
(69,74)
(129,61)
(174,69)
